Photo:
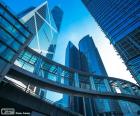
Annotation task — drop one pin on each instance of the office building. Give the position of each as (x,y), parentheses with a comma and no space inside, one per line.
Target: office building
(96,66)
(72,57)
(57,14)
(44,26)
(10,44)
(89,50)
(72,60)
(119,20)
(87,59)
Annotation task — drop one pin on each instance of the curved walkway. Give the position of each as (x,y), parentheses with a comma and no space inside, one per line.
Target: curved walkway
(65,80)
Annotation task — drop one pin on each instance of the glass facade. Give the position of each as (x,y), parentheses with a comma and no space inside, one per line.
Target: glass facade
(89,50)
(119,20)
(87,59)
(13,37)
(57,14)
(43,25)
(72,58)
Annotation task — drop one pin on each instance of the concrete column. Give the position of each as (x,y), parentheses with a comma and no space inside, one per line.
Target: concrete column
(92,83)
(76,80)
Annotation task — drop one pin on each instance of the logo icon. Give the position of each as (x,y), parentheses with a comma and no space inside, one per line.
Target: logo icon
(7,111)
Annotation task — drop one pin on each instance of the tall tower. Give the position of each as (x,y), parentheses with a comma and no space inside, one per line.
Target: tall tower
(89,50)
(72,58)
(40,21)
(13,38)
(120,21)
(57,14)
(95,65)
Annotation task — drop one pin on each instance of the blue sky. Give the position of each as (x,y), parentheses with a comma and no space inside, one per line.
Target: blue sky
(77,22)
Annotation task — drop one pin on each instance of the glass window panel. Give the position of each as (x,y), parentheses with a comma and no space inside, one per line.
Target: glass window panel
(8,54)
(19,62)
(28,67)
(33,60)
(13,30)
(2,48)
(15,45)
(5,37)
(18,35)
(1,11)
(2,64)
(52,77)
(6,25)
(26,56)
(22,29)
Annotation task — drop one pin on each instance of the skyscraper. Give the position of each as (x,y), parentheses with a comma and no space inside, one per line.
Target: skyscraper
(87,59)
(57,14)
(89,50)
(43,26)
(10,44)
(95,65)
(72,58)
(119,20)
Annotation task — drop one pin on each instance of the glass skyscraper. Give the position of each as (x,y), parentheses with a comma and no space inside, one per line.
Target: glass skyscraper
(13,38)
(44,26)
(57,14)
(72,57)
(87,59)
(72,60)
(91,56)
(120,21)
